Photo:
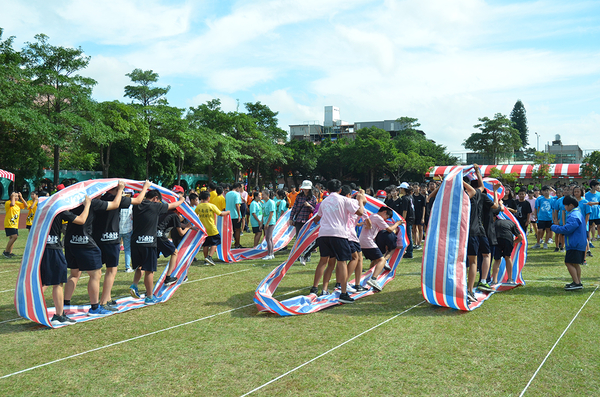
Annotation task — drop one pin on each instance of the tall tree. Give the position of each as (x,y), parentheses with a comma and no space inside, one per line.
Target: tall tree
(590,165)
(372,151)
(62,94)
(496,138)
(148,97)
(542,166)
(519,118)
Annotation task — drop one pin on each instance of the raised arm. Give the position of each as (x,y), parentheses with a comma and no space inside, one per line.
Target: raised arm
(81,218)
(140,197)
(177,203)
(113,205)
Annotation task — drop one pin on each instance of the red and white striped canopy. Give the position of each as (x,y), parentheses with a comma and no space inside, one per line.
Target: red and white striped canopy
(522,170)
(7,175)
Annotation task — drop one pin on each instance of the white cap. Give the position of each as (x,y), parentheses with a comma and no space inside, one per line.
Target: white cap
(306,185)
(403,185)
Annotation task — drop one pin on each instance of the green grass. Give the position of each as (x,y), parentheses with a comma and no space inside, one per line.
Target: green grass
(428,350)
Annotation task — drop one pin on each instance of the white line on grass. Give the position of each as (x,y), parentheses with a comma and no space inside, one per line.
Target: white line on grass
(6,271)
(332,349)
(558,340)
(12,319)
(218,275)
(135,338)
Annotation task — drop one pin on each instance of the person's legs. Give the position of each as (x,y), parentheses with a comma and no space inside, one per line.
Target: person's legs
(485,266)
(236,236)
(205,251)
(11,243)
(72,283)
(341,274)
(257,237)
(137,276)
(378,265)
(58,298)
(352,264)
(328,272)
(358,269)
(109,279)
(575,272)
(509,267)
(172,262)
(472,272)
(495,270)
(269,238)
(319,270)
(127,249)
(409,249)
(149,283)
(94,285)
(212,250)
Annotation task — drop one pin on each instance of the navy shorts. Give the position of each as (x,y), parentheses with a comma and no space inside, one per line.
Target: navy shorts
(28,227)
(478,245)
(243,209)
(354,246)
(236,223)
(110,254)
(165,247)
(594,221)
(575,257)
(256,229)
(386,241)
(83,259)
(144,257)
(212,241)
(544,224)
(11,231)
(335,247)
(503,249)
(53,267)
(372,253)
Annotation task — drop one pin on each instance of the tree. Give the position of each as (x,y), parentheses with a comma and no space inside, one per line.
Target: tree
(62,94)
(503,177)
(542,166)
(496,139)
(373,151)
(302,158)
(590,165)
(148,97)
(519,118)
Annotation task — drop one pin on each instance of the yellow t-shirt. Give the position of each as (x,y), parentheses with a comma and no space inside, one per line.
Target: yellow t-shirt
(206,212)
(11,219)
(219,201)
(31,214)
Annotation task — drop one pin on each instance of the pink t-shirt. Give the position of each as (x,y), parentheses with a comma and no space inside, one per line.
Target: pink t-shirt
(367,236)
(352,221)
(532,204)
(334,212)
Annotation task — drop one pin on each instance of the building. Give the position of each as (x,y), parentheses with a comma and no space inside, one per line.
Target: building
(564,154)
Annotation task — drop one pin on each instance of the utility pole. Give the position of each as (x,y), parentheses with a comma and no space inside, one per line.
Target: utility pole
(538,141)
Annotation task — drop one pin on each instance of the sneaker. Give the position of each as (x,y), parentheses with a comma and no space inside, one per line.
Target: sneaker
(418,248)
(387,267)
(133,290)
(56,320)
(359,288)
(112,303)
(100,311)
(110,308)
(302,260)
(573,287)
(562,250)
(209,260)
(556,249)
(67,321)
(150,300)
(170,280)
(536,246)
(589,253)
(511,282)
(471,297)
(484,286)
(308,257)
(6,255)
(494,285)
(129,270)
(374,284)
(407,256)
(323,293)
(592,245)
(185,280)
(546,246)
(313,290)
(578,286)
(337,286)
(550,241)
(345,298)
(350,288)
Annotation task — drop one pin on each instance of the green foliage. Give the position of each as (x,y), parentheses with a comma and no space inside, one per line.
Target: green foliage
(144,92)
(372,151)
(590,165)
(497,138)
(542,163)
(519,118)
(503,177)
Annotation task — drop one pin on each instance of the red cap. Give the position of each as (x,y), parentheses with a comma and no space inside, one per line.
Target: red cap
(380,193)
(177,189)
(60,187)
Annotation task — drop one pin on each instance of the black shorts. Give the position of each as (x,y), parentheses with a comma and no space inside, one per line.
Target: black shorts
(354,246)
(110,254)
(575,257)
(53,267)
(28,227)
(334,247)
(386,241)
(212,241)
(11,231)
(503,249)
(236,223)
(165,247)
(544,225)
(243,209)
(372,253)
(478,245)
(594,221)
(143,257)
(256,229)
(83,259)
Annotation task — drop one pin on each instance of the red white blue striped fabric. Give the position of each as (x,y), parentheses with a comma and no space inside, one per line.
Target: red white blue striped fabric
(522,170)
(7,175)
(29,300)
(305,304)
(282,235)
(444,268)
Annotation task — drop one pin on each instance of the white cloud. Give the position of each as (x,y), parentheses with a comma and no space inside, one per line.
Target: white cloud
(231,80)
(109,72)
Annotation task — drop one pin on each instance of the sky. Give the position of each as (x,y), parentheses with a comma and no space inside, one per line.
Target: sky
(446,63)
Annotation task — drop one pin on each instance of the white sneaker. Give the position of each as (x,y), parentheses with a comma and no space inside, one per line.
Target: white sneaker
(550,241)
(545,246)
(350,288)
(302,260)
(129,270)
(374,284)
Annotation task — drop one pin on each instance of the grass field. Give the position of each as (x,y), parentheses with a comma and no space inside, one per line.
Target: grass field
(209,340)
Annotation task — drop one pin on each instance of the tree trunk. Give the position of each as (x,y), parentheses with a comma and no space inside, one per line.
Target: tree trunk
(56,164)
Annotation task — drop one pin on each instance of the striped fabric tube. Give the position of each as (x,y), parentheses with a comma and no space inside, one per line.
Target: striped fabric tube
(444,267)
(305,304)
(282,235)
(7,175)
(29,300)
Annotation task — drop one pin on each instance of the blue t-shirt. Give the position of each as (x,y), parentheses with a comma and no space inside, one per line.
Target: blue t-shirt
(595,209)
(267,209)
(585,209)
(231,200)
(543,206)
(281,207)
(557,205)
(255,208)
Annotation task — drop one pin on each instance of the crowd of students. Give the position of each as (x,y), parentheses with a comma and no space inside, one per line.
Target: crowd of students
(93,232)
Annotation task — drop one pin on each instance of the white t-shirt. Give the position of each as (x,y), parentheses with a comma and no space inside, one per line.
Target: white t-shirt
(367,236)
(334,212)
